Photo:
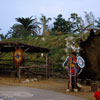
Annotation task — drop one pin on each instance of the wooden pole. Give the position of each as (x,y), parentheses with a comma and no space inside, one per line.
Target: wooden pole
(46,58)
(75,83)
(46,65)
(19,74)
(70,74)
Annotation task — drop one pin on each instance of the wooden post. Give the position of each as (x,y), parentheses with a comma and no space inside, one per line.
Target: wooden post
(46,58)
(70,75)
(46,65)
(95,87)
(19,74)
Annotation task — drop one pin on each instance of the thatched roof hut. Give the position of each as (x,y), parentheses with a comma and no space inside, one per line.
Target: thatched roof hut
(12,46)
(91,54)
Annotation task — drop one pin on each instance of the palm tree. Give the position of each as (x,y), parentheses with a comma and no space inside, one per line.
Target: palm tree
(2,36)
(29,24)
(44,22)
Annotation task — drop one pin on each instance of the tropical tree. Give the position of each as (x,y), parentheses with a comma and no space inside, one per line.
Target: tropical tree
(29,24)
(76,22)
(2,36)
(98,22)
(18,31)
(89,20)
(44,22)
(61,26)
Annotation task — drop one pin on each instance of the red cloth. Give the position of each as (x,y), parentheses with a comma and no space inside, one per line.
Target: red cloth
(73,71)
(97,95)
(74,60)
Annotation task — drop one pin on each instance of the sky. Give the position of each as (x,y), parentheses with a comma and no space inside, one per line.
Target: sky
(11,9)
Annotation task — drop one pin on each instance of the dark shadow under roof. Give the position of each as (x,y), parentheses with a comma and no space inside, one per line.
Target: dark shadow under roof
(12,46)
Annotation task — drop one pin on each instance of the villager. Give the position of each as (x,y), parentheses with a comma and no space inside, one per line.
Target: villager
(74,65)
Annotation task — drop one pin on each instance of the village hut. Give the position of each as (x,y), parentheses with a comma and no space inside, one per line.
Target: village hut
(91,53)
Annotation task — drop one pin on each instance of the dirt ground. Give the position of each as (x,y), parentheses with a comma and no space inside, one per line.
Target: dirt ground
(58,85)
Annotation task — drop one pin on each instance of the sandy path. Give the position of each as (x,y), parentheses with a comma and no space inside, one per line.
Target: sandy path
(57,85)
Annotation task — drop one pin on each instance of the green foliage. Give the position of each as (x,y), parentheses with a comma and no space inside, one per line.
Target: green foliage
(44,22)
(29,24)
(27,27)
(56,44)
(18,31)
(76,22)
(98,23)
(57,55)
(61,26)
(90,20)
(60,70)
(2,36)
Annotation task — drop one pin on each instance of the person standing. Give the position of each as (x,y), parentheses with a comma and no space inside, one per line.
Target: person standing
(73,69)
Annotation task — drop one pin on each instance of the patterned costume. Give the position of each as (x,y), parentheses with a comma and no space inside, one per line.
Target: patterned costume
(73,62)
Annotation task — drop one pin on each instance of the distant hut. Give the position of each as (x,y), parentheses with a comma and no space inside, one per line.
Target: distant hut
(91,53)
(18,49)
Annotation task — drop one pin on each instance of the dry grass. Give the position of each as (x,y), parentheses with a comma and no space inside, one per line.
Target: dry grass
(57,85)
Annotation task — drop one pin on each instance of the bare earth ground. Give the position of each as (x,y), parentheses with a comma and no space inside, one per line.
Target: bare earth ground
(57,85)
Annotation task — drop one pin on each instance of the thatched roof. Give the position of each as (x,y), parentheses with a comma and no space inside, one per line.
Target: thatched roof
(90,38)
(91,53)
(12,46)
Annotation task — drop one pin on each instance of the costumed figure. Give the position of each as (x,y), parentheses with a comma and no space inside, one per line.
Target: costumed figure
(74,64)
